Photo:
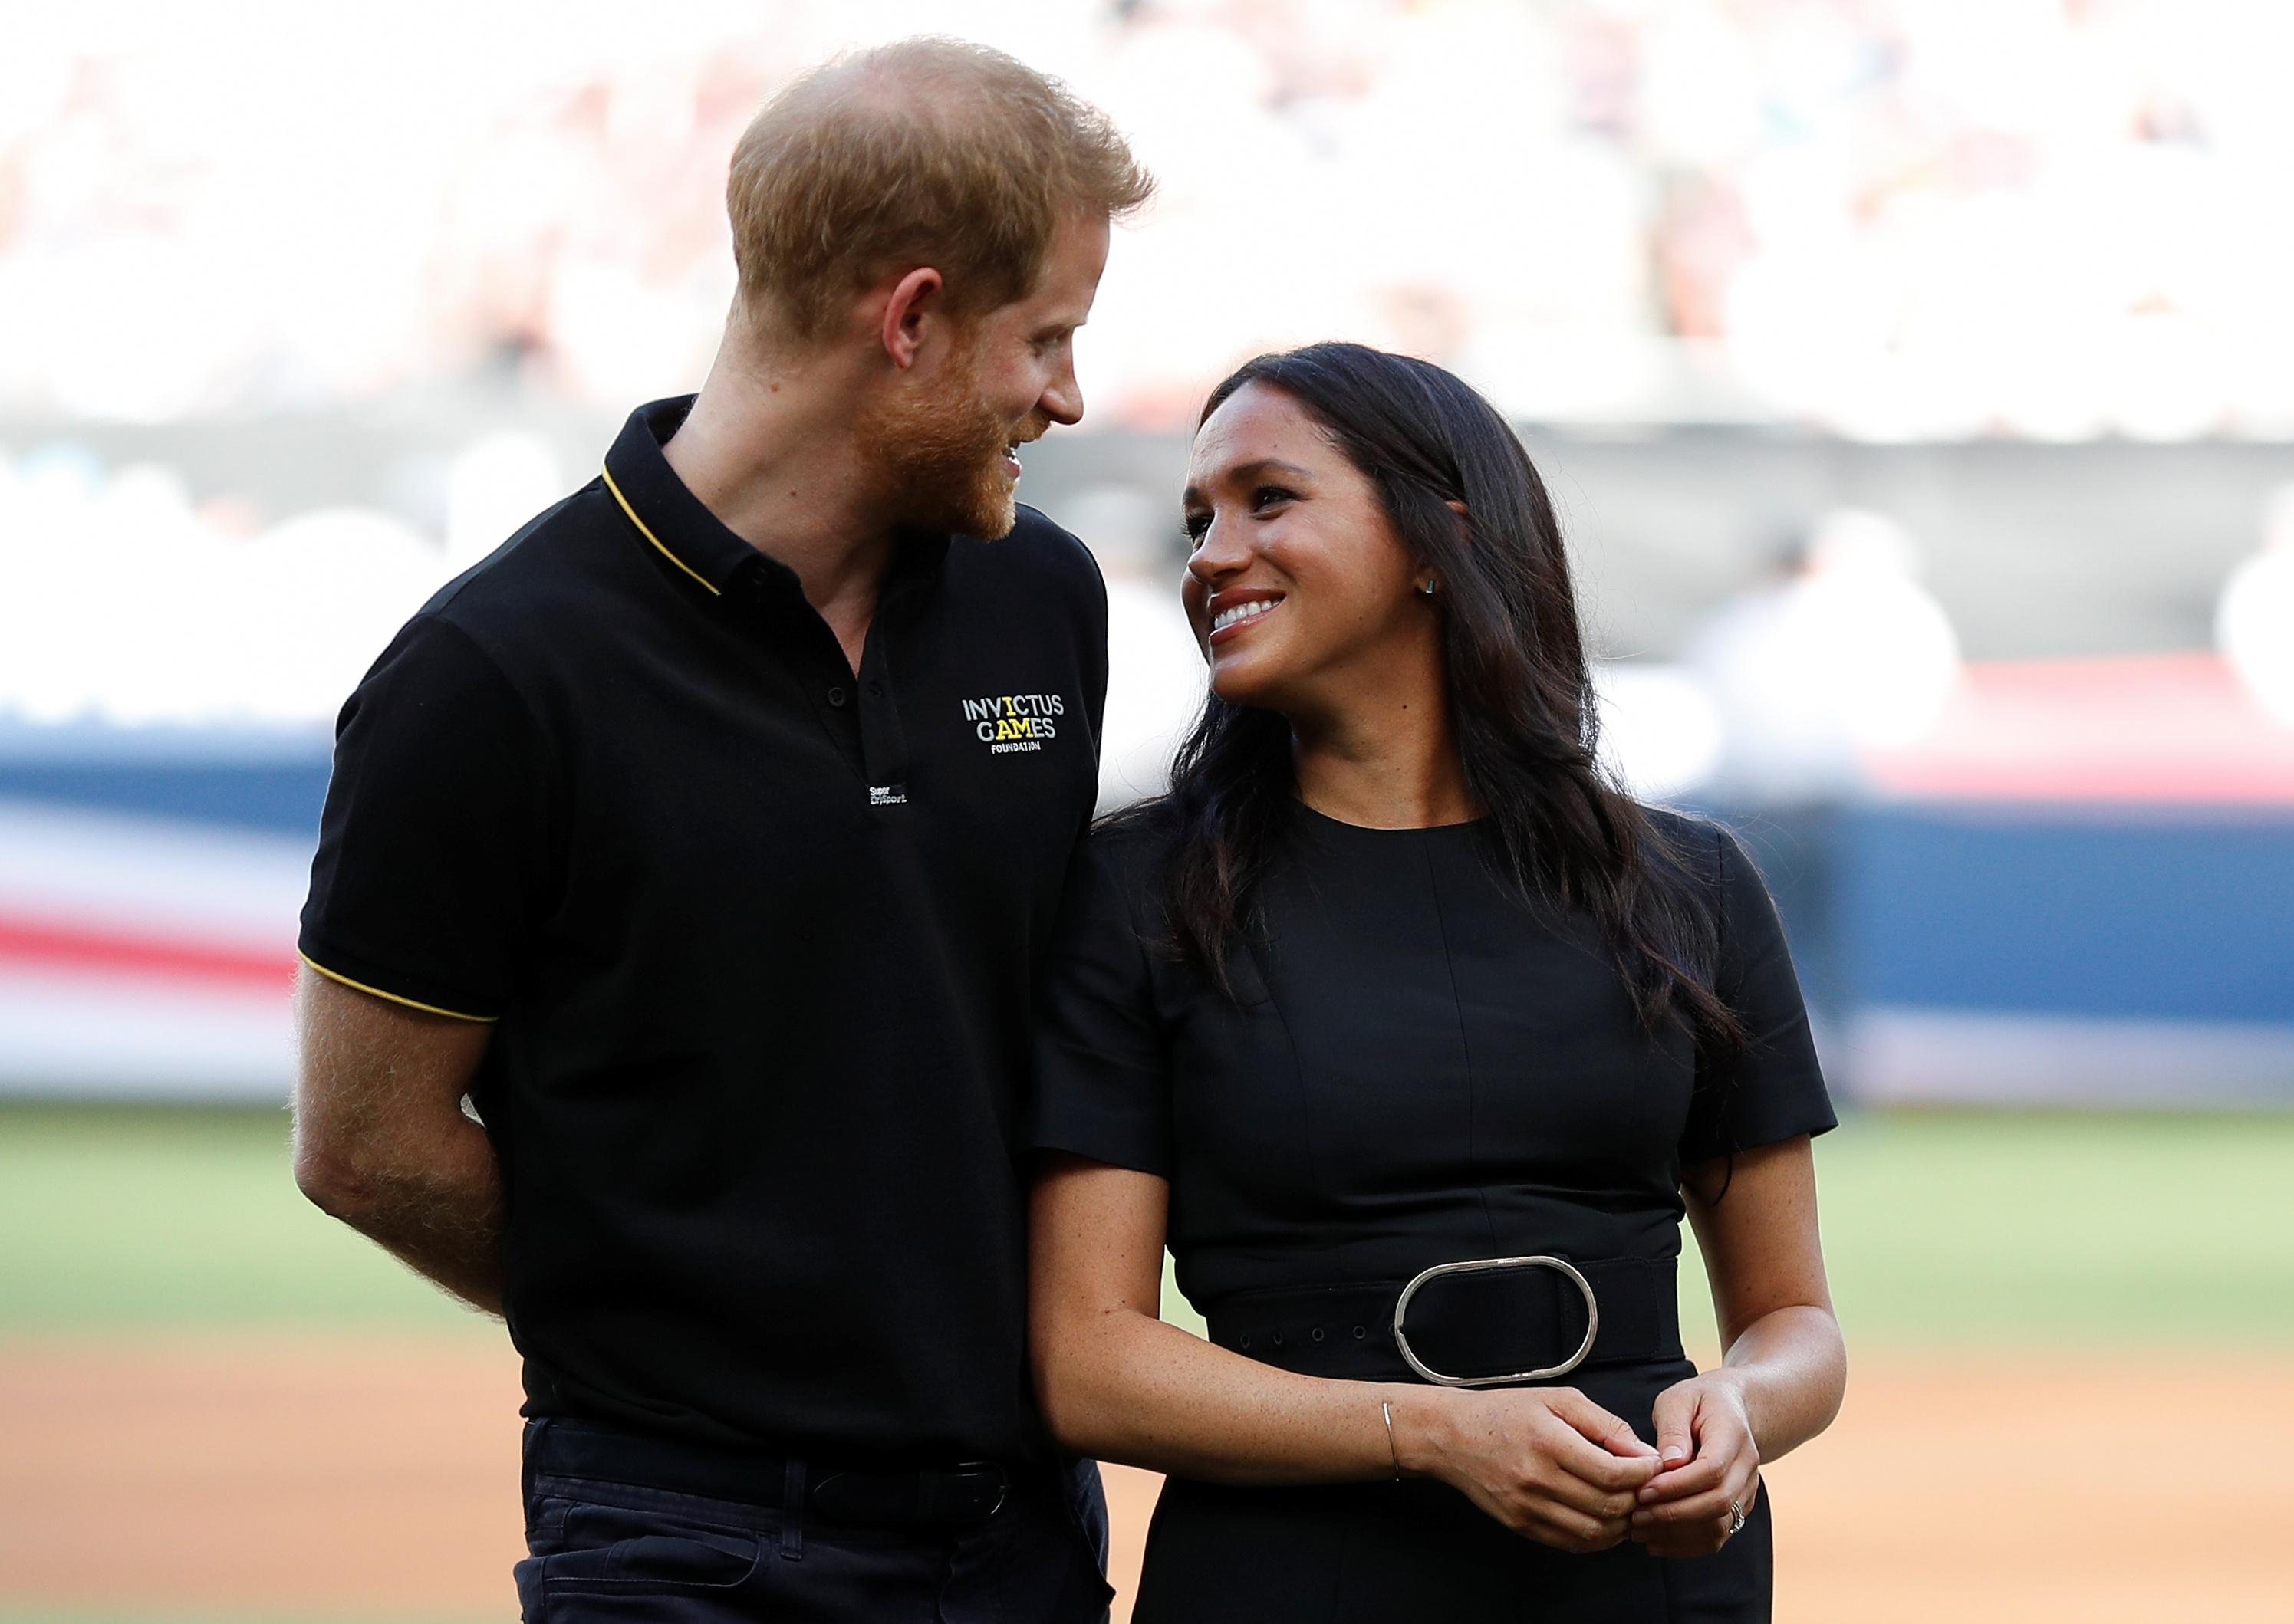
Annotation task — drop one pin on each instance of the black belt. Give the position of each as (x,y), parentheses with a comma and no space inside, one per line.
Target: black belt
(1468,1325)
(968,1491)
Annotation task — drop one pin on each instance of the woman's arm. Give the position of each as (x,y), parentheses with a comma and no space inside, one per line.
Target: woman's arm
(1785,1369)
(1116,1382)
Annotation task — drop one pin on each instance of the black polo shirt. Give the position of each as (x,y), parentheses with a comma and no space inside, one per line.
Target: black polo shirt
(759,934)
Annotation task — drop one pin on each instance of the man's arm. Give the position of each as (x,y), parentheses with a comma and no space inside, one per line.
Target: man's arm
(381,1140)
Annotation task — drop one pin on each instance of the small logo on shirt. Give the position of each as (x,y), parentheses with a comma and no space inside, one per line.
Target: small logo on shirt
(1009,723)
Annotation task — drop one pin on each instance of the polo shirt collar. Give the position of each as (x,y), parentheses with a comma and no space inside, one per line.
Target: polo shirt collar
(667,514)
(682,529)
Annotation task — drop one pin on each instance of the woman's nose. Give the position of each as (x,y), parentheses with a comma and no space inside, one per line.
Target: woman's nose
(1218,552)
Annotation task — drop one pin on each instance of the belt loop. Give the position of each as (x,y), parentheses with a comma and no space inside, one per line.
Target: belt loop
(792,1510)
(528,1447)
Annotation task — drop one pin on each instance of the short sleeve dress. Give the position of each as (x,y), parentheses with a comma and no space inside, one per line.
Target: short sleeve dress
(1421,1070)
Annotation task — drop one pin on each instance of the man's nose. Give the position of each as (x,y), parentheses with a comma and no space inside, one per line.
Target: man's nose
(1063,402)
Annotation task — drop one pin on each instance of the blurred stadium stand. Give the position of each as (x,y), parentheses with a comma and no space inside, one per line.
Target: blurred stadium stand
(2012,277)
(2074,887)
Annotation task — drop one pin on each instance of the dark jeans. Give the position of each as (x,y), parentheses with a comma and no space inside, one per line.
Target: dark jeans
(604,1551)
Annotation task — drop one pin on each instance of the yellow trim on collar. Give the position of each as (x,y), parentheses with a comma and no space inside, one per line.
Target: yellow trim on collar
(427,1008)
(649,535)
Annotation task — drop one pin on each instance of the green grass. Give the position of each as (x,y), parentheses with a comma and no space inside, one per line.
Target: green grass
(1940,1230)
(1947,1231)
(2057,1231)
(2063,1229)
(115,1221)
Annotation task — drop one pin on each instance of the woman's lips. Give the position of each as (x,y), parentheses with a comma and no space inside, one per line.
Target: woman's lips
(1253,612)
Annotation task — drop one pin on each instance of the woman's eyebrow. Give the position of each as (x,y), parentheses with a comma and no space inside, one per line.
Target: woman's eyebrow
(1192,496)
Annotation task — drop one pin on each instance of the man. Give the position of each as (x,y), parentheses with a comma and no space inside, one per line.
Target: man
(702,839)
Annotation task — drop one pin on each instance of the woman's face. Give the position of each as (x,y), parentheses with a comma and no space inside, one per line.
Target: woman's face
(1300,593)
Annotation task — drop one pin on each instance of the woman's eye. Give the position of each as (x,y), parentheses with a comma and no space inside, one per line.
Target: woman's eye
(1195,523)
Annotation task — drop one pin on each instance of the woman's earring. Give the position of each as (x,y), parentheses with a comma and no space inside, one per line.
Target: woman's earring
(1428,587)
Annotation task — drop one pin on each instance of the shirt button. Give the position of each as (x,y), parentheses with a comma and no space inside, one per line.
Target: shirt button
(836,696)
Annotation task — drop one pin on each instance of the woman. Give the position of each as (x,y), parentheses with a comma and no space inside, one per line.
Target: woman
(1392,979)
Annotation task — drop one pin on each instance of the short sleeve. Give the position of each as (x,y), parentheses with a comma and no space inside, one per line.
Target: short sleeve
(430,846)
(1775,1091)
(1102,1067)
(1096,655)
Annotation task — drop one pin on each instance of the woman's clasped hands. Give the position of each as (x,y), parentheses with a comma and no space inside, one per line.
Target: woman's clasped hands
(1546,1462)
(1711,1469)
(1551,1465)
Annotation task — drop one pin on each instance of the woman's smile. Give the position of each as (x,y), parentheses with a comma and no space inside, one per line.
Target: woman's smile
(1229,618)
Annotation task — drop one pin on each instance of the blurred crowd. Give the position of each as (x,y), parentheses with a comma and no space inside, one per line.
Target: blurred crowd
(1888,218)
(126,602)
(1891,219)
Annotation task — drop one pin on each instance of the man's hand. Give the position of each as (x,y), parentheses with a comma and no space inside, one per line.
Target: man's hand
(381,1140)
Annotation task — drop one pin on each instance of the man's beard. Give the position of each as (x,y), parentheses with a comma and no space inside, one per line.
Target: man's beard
(940,454)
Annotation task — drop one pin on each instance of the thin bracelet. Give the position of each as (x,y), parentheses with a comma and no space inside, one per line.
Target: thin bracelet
(1387,1409)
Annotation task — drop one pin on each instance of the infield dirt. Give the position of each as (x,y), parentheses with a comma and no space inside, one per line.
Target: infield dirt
(355,1477)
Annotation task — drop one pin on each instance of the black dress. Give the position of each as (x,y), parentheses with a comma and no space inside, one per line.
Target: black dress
(1423,1071)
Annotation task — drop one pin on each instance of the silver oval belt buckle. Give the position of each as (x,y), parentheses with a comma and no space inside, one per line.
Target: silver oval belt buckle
(1483,1265)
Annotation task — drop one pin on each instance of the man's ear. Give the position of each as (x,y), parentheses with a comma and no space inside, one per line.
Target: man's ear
(917,301)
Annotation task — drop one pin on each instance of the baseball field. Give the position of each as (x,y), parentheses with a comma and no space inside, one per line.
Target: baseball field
(2071,1394)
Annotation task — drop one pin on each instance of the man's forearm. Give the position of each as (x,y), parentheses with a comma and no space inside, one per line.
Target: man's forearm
(438,1207)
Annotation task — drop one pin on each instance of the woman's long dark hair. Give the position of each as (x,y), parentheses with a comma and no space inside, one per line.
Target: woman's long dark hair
(1521,696)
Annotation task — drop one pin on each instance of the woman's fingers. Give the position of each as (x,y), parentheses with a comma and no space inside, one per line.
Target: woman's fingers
(1690,1507)
(1588,1481)
(1596,1447)
(1578,1475)
(1675,1418)
(1596,1425)
(1573,1530)
(1567,1466)
(1702,1507)
(1587,1500)
(1698,1525)
(1557,1468)
(1693,1477)
(1720,1439)
(1535,1513)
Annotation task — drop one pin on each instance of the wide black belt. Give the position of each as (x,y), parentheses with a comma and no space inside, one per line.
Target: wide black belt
(964,1491)
(1475,1326)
